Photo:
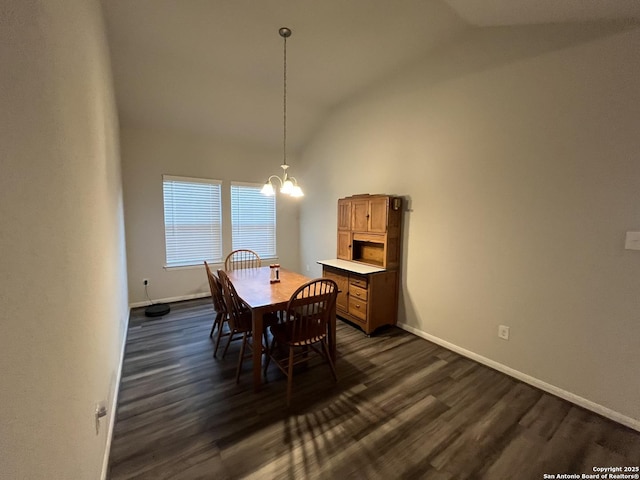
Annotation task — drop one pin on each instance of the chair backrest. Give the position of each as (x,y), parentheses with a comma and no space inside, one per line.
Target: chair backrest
(238,317)
(217,297)
(242,258)
(309,310)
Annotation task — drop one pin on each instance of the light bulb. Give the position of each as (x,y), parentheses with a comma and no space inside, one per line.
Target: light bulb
(267,189)
(287,187)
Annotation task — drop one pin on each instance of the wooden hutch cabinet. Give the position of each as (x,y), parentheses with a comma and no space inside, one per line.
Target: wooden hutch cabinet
(368,257)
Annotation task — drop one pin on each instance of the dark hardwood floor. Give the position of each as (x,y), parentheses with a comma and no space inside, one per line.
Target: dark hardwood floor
(403,408)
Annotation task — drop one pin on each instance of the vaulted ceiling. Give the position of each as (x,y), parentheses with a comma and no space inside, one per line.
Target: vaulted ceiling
(215,67)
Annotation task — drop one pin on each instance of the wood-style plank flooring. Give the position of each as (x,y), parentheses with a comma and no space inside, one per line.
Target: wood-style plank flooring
(403,408)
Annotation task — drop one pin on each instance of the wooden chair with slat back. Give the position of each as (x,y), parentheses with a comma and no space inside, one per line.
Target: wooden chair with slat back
(219,306)
(242,258)
(304,326)
(240,320)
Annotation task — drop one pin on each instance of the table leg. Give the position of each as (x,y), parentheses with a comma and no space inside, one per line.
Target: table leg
(257,322)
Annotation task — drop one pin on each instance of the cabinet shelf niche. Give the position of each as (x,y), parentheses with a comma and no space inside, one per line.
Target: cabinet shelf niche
(371,253)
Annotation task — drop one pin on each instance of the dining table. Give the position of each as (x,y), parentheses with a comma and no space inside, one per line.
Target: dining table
(255,288)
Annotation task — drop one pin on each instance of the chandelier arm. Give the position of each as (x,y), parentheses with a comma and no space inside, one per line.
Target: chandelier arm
(275,176)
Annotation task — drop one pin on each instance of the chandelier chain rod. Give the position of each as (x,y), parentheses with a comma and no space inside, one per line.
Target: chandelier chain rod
(284,103)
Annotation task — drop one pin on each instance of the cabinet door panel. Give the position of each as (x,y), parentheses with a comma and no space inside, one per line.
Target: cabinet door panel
(344,245)
(344,215)
(378,208)
(342,302)
(359,215)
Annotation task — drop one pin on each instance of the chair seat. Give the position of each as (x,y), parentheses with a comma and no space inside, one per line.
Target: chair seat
(283,334)
(245,321)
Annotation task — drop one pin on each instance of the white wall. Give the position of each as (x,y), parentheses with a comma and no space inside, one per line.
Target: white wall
(147,155)
(62,256)
(518,152)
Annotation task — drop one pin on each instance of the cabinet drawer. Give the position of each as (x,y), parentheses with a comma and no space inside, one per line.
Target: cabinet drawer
(358,292)
(358,281)
(358,308)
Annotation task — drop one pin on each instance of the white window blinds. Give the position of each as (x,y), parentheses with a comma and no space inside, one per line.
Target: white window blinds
(192,220)
(253,219)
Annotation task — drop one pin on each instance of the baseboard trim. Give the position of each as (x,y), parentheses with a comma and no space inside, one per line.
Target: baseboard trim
(171,299)
(114,403)
(547,387)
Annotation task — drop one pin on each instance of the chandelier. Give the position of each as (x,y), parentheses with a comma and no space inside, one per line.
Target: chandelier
(288,185)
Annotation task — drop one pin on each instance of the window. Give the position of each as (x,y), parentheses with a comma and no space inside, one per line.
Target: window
(192,220)
(253,219)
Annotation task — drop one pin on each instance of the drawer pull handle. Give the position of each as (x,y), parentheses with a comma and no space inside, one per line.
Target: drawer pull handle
(357,294)
(357,305)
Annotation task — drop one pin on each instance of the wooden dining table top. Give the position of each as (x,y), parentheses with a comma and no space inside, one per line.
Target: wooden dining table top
(254,287)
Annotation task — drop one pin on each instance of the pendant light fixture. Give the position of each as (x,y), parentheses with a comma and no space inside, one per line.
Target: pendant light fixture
(288,185)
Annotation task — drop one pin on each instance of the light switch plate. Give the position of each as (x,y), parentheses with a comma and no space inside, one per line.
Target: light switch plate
(632,242)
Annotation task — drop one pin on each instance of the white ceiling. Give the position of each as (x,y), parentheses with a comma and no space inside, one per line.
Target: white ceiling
(491,13)
(215,66)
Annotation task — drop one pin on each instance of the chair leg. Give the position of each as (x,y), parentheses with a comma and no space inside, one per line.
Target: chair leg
(213,327)
(228,343)
(325,349)
(266,341)
(242,347)
(290,376)
(268,359)
(216,322)
(220,328)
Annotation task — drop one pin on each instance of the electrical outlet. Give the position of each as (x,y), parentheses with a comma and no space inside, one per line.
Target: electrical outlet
(145,281)
(503,332)
(101,411)
(308,268)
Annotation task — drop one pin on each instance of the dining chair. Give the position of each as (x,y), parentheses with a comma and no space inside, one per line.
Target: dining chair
(242,258)
(240,320)
(219,306)
(303,327)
